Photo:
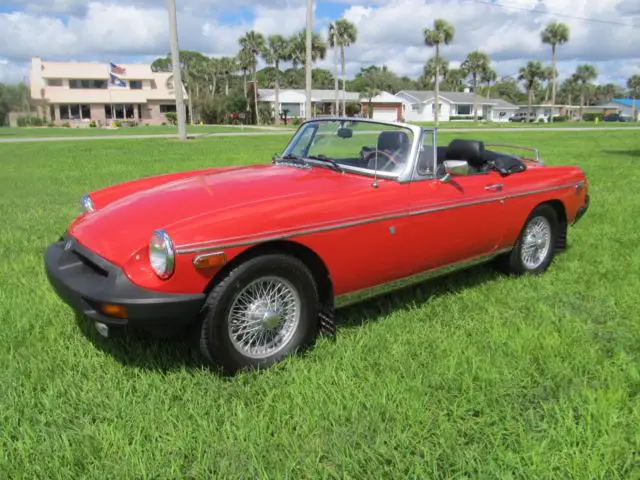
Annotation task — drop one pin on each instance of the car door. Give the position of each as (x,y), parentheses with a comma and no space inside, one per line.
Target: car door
(454,221)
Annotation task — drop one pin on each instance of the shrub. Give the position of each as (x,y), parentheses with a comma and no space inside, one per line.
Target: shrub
(590,117)
(172,117)
(92,124)
(352,108)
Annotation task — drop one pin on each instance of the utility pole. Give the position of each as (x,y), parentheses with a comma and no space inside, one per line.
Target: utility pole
(308,65)
(177,74)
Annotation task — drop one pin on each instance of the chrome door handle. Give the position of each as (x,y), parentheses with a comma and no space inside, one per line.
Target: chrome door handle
(495,187)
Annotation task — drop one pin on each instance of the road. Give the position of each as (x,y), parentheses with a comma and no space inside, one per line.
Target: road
(290,132)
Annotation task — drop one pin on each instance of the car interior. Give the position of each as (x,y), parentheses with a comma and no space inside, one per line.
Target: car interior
(480,159)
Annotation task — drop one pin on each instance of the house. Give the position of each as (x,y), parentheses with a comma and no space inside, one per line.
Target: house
(294,100)
(385,106)
(419,106)
(628,107)
(80,93)
(542,112)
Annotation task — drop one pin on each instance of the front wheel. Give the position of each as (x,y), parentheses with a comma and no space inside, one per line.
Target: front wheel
(535,248)
(263,310)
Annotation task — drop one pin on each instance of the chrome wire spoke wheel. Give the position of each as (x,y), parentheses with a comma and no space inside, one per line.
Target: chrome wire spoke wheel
(264,316)
(536,242)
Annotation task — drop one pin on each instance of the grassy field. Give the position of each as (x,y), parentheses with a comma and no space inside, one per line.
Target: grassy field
(471,376)
(141,130)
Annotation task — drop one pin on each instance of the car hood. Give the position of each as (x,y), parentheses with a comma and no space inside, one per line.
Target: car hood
(196,207)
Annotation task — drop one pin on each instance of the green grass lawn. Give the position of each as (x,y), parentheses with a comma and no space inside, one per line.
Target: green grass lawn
(474,375)
(472,124)
(141,130)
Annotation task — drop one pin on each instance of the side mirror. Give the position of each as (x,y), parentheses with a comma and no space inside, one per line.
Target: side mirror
(454,167)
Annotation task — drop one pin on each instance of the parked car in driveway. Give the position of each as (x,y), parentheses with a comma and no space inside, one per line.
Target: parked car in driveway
(256,259)
(616,117)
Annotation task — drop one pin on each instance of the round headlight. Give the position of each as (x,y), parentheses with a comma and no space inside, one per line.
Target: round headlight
(161,254)
(86,204)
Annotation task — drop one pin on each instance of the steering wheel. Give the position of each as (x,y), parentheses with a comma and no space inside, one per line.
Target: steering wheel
(390,159)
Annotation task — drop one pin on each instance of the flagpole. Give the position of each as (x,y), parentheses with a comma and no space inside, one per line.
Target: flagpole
(177,76)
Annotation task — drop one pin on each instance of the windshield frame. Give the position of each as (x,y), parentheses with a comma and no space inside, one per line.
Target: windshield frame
(405,175)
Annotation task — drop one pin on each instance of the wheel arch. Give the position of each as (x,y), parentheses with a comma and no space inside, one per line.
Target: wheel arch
(306,255)
(561,211)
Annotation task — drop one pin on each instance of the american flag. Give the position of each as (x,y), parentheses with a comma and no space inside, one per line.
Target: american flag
(117,70)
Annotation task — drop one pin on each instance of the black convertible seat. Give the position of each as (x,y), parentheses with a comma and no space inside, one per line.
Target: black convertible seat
(394,141)
(470,150)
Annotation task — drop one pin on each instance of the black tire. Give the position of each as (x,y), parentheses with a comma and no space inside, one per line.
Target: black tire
(513,262)
(215,339)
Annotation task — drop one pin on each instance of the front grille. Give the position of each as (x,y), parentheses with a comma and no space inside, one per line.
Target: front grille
(92,265)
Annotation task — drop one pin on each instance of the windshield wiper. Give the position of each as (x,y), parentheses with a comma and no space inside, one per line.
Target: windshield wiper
(295,159)
(336,166)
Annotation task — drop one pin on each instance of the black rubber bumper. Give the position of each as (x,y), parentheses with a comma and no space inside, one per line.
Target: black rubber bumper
(83,280)
(582,210)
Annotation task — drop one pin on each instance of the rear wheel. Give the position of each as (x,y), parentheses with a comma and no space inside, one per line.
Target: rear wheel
(262,311)
(535,248)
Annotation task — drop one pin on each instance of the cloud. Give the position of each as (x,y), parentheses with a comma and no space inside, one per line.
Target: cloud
(390,32)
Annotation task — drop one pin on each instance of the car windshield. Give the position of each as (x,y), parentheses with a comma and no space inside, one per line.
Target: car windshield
(353,144)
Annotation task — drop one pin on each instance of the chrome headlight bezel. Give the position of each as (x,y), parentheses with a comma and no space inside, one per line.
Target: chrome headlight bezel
(86,204)
(162,255)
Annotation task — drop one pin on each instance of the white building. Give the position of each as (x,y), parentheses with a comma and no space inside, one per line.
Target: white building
(419,106)
(294,100)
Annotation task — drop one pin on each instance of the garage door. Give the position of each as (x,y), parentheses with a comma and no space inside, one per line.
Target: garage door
(385,114)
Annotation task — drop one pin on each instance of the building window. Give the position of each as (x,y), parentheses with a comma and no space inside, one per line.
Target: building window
(414,107)
(167,108)
(75,111)
(88,84)
(464,109)
(120,111)
(54,82)
(135,84)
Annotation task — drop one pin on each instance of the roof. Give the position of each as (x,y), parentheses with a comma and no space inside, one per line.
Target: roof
(627,102)
(386,97)
(454,97)
(500,103)
(317,95)
(94,70)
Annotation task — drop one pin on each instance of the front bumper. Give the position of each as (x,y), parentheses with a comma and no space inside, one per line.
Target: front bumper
(84,281)
(582,210)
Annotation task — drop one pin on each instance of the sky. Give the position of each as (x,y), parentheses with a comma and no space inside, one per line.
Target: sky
(390,32)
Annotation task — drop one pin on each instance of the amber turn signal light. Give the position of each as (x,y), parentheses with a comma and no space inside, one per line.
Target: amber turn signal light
(210,260)
(112,310)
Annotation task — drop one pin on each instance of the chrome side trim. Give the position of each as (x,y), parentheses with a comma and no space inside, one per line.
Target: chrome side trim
(358,296)
(203,247)
(531,149)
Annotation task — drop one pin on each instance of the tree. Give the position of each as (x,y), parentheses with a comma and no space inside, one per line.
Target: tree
(554,34)
(531,74)
(227,67)
(633,84)
(244,62)
(254,44)
(278,50)
(333,43)
(584,75)
(369,93)
(298,48)
(475,66)
(454,80)
(488,76)
(433,69)
(441,34)
(346,34)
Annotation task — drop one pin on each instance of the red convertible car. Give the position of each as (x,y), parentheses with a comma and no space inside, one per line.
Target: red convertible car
(257,258)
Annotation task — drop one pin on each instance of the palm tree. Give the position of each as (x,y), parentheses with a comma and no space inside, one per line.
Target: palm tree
(554,34)
(369,93)
(298,48)
(474,66)
(227,66)
(584,74)
(346,34)
(489,76)
(333,43)
(531,75)
(243,61)
(442,34)
(278,51)
(254,44)
(549,75)
(434,67)
(633,84)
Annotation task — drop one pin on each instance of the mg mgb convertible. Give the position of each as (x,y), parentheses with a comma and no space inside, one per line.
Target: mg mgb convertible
(257,259)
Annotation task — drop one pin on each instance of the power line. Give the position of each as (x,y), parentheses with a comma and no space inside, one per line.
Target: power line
(555,14)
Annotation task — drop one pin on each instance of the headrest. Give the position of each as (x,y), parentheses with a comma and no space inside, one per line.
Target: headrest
(470,150)
(393,140)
